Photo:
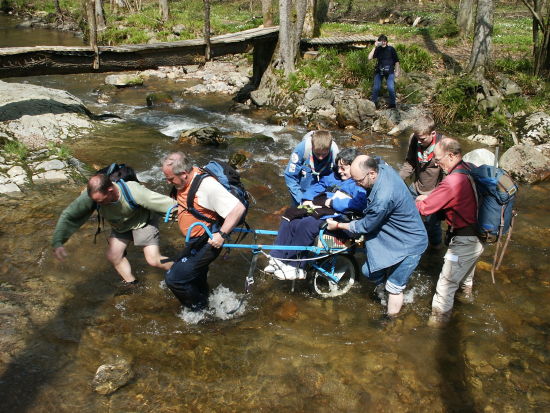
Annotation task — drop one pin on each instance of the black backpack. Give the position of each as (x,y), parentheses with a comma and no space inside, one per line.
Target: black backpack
(120,173)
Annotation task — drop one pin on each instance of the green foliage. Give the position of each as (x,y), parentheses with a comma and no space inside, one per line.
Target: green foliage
(515,104)
(16,149)
(358,70)
(513,65)
(295,82)
(61,151)
(455,99)
(447,28)
(414,58)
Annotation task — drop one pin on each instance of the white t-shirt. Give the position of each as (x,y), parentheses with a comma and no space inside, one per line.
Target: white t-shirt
(213,196)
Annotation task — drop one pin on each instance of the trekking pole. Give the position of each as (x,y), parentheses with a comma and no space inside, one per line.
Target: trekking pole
(514,213)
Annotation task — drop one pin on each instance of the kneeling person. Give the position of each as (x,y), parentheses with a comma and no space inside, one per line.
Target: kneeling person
(222,212)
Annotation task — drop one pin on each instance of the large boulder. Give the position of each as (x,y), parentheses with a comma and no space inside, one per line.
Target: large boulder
(124,80)
(536,129)
(35,115)
(355,112)
(317,97)
(525,163)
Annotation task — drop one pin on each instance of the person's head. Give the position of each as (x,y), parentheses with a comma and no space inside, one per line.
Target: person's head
(321,140)
(424,130)
(102,190)
(177,169)
(344,160)
(382,40)
(364,171)
(447,153)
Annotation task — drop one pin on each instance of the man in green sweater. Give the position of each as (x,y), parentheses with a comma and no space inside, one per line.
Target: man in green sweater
(131,220)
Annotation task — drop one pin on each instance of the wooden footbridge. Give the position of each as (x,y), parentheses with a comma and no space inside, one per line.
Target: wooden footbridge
(45,60)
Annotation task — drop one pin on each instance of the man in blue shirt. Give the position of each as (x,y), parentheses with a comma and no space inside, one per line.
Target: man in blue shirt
(312,159)
(395,237)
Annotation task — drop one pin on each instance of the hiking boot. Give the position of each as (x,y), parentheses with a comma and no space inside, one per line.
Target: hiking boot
(466,294)
(290,273)
(127,287)
(270,269)
(438,319)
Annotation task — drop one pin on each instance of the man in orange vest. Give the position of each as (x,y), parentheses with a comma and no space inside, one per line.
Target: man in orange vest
(218,209)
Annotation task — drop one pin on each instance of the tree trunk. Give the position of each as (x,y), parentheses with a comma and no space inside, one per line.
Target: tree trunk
(311,23)
(207,48)
(57,7)
(482,46)
(465,17)
(267,12)
(99,15)
(164,10)
(292,14)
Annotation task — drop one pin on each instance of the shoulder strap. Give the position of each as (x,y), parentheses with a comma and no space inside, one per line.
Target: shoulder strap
(197,180)
(127,194)
(308,148)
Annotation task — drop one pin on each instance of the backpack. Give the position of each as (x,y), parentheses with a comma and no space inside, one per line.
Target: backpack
(118,173)
(495,195)
(226,175)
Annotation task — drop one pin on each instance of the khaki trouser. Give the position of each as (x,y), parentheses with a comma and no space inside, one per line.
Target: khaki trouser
(458,268)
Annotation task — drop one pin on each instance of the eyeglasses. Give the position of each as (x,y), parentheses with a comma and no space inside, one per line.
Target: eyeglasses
(360,181)
(436,160)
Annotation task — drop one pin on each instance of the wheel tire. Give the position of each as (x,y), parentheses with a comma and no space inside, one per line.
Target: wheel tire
(325,288)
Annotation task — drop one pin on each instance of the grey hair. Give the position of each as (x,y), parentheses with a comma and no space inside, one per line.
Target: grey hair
(178,162)
(450,145)
(369,164)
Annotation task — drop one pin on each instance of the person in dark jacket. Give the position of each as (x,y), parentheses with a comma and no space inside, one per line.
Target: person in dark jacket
(387,67)
(426,174)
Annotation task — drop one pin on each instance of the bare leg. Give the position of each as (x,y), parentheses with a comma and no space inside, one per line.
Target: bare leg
(395,301)
(153,257)
(115,255)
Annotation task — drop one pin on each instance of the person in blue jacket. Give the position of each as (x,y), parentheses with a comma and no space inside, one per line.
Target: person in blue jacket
(337,193)
(312,159)
(395,236)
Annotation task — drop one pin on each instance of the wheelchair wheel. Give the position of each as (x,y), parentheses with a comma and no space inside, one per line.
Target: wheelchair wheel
(344,267)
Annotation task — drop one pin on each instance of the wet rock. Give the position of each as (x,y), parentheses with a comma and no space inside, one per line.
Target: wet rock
(208,136)
(484,139)
(536,129)
(287,311)
(16,171)
(480,157)
(260,97)
(124,80)
(110,377)
(158,98)
(105,93)
(525,163)
(237,159)
(50,176)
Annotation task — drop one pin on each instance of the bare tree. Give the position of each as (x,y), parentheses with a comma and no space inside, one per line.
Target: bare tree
(311,23)
(291,16)
(208,46)
(267,12)
(99,15)
(57,7)
(482,46)
(164,10)
(465,16)
(540,10)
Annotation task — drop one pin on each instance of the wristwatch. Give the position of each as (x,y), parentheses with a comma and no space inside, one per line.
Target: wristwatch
(223,234)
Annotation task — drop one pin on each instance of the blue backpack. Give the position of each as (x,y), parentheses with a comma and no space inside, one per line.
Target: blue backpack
(226,175)
(495,195)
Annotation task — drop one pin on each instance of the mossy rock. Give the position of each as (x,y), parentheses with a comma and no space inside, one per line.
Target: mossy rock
(208,136)
(158,98)
(253,139)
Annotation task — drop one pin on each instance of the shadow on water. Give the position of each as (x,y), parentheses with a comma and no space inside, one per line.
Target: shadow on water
(449,353)
(47,354)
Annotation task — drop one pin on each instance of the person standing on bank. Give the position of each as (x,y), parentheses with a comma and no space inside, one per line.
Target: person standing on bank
(128,223)
(387,67)
(395,237)
(311,159)
(187,278)
(456,198)
(426,174)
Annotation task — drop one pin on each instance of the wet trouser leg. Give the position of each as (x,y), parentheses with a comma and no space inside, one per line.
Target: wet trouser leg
(187,278)
(458,267)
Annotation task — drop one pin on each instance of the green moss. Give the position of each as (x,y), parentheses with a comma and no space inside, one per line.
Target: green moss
(17,150)
(455,99)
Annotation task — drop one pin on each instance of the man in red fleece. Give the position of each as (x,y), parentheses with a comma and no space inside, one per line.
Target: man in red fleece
(456,198)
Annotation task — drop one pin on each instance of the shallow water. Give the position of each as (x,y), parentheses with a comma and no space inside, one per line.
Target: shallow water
(282,350)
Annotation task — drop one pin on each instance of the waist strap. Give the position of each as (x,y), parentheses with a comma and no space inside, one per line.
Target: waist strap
(468,231)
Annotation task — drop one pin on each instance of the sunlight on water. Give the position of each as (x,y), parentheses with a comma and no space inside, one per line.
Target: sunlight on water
(223,304)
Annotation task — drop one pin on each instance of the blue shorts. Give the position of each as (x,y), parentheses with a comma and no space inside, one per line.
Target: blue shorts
(396,277)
